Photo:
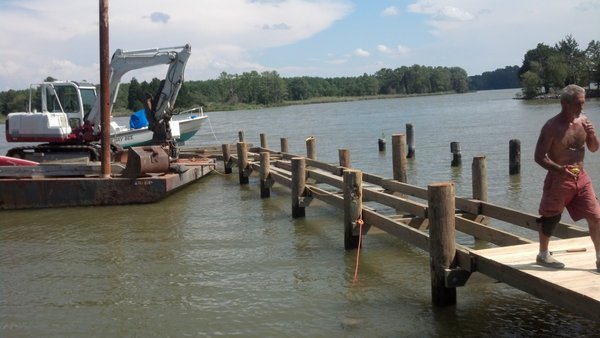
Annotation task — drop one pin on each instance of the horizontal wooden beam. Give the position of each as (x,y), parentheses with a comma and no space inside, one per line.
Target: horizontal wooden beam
(488,233)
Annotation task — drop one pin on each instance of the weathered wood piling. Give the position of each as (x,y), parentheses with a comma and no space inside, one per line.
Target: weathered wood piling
(514,155)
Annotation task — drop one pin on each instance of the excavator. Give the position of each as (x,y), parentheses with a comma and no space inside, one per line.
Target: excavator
(66,114)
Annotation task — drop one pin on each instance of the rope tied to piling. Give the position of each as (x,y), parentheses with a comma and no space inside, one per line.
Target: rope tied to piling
(360,223)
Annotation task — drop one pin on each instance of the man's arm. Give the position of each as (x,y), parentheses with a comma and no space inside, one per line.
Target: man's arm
(591,140)
(542,147)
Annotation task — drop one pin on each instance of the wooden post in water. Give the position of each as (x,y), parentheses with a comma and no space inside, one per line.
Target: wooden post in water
(263,141)
(311,148)
(399,157)
(352,207)
(344,155)
(284,144)
(242,153)
(515,157)
(479,178)
(381,142)
(298,186)
(442,239)
(226,158)
(410,140)
(241,135)
(456,155)
(265,179)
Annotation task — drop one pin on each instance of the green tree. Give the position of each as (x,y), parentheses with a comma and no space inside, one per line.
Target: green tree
(459,80)
(531,84)
(298,89)
(14,101)
(543,61)
(440,80)
(592,64)
(574,61)
(134,95)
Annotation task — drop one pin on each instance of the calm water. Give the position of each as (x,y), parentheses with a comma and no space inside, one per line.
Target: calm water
(216,260)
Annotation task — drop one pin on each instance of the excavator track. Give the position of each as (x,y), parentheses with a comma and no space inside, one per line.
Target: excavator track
(49,149)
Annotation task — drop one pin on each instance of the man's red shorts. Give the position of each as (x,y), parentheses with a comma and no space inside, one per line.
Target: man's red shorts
(576,194)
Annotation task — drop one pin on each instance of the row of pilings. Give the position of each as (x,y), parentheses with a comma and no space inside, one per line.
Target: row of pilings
(440,209)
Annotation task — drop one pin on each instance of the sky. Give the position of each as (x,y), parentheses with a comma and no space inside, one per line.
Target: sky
(323,38)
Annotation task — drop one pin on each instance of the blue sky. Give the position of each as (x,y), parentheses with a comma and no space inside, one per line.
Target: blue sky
(325,38)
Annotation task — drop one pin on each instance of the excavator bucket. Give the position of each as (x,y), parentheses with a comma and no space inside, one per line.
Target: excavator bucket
(146,160)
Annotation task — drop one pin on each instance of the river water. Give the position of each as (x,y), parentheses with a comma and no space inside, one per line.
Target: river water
(216,260)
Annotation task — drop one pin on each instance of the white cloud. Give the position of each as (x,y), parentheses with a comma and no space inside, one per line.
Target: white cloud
(384,49)
(484,35)
(453,13)
(402,50)
(361,52)
(61,36)
(391,11)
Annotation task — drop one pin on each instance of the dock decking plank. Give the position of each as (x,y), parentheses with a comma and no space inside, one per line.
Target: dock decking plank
(576,287)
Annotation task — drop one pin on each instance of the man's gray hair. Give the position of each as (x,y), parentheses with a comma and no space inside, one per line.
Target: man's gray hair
(570,92)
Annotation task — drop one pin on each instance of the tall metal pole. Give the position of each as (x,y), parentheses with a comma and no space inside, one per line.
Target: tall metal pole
(104,88)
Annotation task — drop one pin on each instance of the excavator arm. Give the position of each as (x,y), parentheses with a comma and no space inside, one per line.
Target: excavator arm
(158,107)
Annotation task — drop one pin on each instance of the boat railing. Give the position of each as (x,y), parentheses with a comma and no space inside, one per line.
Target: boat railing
(199,110)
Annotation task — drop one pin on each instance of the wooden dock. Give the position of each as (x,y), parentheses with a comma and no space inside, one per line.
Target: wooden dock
(429,219)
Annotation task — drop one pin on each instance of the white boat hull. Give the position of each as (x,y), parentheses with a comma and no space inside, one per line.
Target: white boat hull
(138,137)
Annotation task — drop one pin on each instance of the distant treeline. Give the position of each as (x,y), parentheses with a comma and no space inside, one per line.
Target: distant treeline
(270,89)
(505,78)
(544,69)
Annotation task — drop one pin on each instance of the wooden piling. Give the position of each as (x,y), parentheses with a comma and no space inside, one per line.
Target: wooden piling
(352,207)
(344,155)
(242,153)
(226,158)
(399,157)
(265,180)
(479,178)
(311,148)
(410,140)
(284,144)
(381,142)
(456,155)
(263,141)
(442,237)
(298,186)
(514,157)
(241,136)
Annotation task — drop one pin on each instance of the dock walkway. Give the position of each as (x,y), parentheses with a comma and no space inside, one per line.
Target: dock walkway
(512,259)
(575,288)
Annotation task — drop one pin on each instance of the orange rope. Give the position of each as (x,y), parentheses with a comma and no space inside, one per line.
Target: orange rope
(360,224)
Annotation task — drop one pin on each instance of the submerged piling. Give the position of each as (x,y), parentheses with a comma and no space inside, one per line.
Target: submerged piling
(410,140)
(456,155)
(514,157)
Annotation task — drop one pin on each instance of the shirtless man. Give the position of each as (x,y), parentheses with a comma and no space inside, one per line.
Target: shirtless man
(560,150)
